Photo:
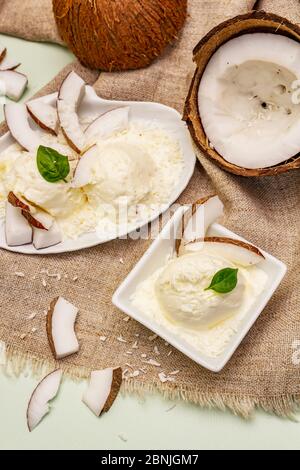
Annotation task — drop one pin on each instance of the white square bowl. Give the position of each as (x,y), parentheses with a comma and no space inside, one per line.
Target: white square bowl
(155,257)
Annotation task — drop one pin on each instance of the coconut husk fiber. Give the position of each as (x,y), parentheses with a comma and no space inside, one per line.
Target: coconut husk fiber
(263,210)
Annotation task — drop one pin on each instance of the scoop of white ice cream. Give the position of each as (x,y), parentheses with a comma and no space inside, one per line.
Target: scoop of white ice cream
(121,175)
(58,199)
(180,290)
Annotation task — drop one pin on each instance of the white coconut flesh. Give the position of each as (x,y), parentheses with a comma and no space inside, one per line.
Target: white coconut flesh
(62,333)
(9,64)
(197,224)
(98,391)
(12,84)
(70,96)
(17,121)
(17,230)
(237,254)
(46,391)
(46,238)
(44,115)
(110,123)
(246,100)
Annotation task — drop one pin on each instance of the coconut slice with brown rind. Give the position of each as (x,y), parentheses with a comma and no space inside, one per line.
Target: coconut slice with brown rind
(61,320)
(44,115)
(46,391)
(70,96)
(103,389)
(17,121)
(197,219)
(236,251)
(108,124)
(9,64)
(36,218)
(83,171)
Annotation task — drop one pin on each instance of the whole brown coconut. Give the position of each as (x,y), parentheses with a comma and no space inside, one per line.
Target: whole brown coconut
(257,21)
(115,35)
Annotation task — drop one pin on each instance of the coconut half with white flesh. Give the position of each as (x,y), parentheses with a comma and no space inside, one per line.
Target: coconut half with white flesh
(46,391)
(17,121)
(236,251)
(112,122)
(44,115)
(103,389)
(70,96)
(241,109)
(13,84)
(17,230)
(197,219)
(61,319)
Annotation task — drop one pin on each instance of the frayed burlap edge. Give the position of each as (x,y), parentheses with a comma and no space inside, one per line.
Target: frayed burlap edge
(18,363)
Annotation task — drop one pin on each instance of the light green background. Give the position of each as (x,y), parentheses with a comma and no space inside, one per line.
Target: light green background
(145,424)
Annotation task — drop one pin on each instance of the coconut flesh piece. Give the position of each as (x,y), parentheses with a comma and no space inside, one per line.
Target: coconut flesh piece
(13,84)
(9,64)
(107,124)
(245,100)
(45,239)
(197,219)
(61,320)
(103,389)
(17,230)
(236,251)
(17,120)
(46,391)
(44,115)
(36,218)
(83,175)
(70,96)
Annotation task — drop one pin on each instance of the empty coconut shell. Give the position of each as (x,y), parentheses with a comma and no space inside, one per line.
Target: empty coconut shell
(254,22)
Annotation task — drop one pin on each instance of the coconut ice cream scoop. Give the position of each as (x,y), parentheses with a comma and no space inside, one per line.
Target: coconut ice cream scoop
(120,173)
(181,292)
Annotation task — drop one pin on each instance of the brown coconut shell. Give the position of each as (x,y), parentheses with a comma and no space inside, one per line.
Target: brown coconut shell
(254,22)
(49,326)
(115,388)
(119,35)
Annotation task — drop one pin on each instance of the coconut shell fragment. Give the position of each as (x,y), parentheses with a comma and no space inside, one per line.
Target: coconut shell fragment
(254,22)
(119,35)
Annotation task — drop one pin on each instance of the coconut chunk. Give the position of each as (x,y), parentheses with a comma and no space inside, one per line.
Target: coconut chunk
(70,96)
(83,172)
(36,218)
(46,391)
(45,239)
(17,230)
(236,251)
(44,115)
(13,84)
(197,219)
(112,122)
(9,64)
(61,320)
(103,389)
(17,120)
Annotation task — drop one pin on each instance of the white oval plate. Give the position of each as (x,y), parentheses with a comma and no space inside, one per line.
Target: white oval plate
(167,118)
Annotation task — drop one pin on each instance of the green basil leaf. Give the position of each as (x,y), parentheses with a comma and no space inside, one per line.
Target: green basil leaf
(52,166)
(224,281)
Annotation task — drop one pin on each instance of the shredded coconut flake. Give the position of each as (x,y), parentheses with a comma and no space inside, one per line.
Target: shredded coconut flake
(152,362)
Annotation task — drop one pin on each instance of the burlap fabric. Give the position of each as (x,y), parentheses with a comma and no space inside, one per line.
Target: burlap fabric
(265,211)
